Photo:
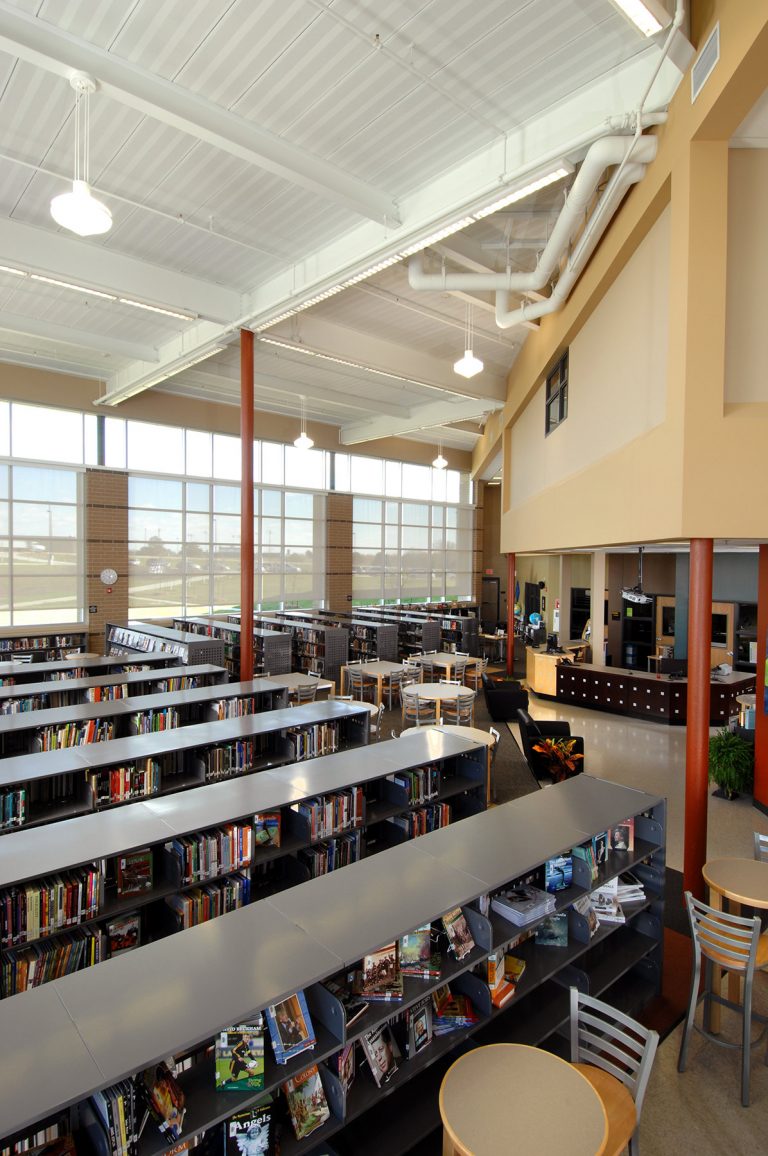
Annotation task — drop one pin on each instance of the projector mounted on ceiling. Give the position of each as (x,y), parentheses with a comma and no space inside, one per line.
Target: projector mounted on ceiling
(635,593)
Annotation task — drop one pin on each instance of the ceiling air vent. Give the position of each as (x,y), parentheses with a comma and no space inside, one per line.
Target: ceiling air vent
(705,62)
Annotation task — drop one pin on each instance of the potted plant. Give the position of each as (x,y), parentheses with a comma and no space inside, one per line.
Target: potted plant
(561,757)
(731,763)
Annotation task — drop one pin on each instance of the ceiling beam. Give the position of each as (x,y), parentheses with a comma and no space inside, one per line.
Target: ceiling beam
(56,255)
(437,413)
(401,301)
(78,338)
(57,51)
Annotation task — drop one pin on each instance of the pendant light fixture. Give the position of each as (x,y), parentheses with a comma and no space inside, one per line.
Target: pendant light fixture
(439,463)
(468,365)
(79,211)
(303,441)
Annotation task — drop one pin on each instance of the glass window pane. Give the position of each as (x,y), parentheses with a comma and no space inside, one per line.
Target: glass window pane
(4,473)
(198,496)
(305,468)
(38,484)
(54,435)
(298,533)
(392,512)
(271,503)
(299,505)
(5,428)
(157,596)
(451,516)
(271,531)
(43,520)
(438,516)
(4,520)
(226,499)
(366,535)
(414,515)
(417,480)
(199,453)
(272,463)
(114,443)
(298,585)
(366,510)
(41,598)
(226,591)
(155,448)
(438,539)
(154,493)
(391,537)
(226,457)
(342,472)
(198,528)
(155,526)
(439,485)
(91,435)
(226,529)
(393,479)
(197,594)
(367,475)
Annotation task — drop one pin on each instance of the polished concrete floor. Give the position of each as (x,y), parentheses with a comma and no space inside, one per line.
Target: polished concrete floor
(651,757)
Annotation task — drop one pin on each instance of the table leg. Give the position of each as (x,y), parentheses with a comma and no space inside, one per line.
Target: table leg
(343,679)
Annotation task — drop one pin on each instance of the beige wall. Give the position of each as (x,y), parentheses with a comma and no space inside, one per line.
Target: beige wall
(746,379)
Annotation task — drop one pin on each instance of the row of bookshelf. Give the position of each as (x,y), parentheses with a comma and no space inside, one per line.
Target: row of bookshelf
(105,687)
(295,970)
(41,789)
(51,644)
(143,637)
(17,673)
(271,648)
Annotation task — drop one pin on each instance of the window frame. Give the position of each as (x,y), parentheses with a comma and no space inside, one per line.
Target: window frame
(556,392)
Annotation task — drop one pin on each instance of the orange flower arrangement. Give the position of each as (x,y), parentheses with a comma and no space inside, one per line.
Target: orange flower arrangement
(563,761)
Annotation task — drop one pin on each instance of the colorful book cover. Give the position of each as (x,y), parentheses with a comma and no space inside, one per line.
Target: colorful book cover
(239,1057)
(164,1099)
(558,873)
(341,986)
(381,1052)
(267,829)
(290,1027)
(460,939)
(249,1133)
(123,933)
(419,1027)
(134,873)
(553,931)
(306,1102)
(622,836)
(513,968)
(342,1064)
(380,977)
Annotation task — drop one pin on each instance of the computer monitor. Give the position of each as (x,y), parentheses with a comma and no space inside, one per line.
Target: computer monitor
(552,642)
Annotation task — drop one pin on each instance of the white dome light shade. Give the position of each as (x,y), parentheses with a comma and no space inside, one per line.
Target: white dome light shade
(468,365)
(440,462)
(303,442)
(80,212)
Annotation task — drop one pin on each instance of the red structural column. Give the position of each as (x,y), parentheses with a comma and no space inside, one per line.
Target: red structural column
(510,614)
(760,795)
(697,735)
(246,504)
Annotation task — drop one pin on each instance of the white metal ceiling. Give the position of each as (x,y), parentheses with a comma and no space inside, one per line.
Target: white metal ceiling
(408,101)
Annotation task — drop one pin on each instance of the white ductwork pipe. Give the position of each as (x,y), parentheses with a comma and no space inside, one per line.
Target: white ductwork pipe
(609,202)
(601,155)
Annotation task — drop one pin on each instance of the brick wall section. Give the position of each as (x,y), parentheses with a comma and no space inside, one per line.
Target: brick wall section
(338,552)
(106,545)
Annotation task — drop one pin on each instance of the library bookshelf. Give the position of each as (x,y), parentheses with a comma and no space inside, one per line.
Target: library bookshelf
(368,639)
(271,648)
(314,646)
(54,642)
(205,838)
(76,780)
(162,999)
(415,633)
(126,638)
(55,692)
(83,666)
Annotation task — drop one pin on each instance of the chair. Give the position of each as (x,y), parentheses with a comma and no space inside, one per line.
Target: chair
(460,668)
(733,944)
(376,721)
(473,675)
(615,1053)
(428,669)
(393,684)
(305,693)
(416,711)
(357,684)
(494,752)
(761,847)
(459,711)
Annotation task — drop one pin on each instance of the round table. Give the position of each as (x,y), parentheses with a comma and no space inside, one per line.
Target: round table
(438,692)
(739,881)
(510,1097)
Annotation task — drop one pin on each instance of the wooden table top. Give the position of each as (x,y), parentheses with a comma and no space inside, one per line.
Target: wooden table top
(435,690)
(743,880)
(511,1097)
(376,666)
(474,733)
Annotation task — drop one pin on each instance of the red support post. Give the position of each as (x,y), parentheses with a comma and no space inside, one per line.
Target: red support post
(246,505)
(697,730)
(760,793)
(510,614)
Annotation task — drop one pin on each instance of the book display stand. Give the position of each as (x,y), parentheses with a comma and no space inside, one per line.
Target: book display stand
(130,637)
(173,996)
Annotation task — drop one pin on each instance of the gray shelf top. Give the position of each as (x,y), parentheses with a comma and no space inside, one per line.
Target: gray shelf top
(44,850)
(232,627)
(102,662)
(101,1024)
(57,685)
(113,752)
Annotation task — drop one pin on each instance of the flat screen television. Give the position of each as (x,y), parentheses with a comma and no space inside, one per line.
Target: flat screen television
(719,629)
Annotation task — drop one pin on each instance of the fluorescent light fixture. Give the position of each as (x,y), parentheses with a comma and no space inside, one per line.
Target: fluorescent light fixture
(468,365)
(294,347)
(562,169)
(440,235)
(372,270)
(15,272)
(80,212)
(72,285)
(114,397)
(648,16)
(157,309)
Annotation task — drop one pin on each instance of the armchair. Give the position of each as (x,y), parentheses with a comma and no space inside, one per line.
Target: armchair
(532,732)
(503,696)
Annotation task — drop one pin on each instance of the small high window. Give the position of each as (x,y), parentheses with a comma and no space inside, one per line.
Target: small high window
(557,395)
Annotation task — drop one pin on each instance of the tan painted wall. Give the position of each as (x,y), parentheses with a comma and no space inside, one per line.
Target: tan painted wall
(746,379)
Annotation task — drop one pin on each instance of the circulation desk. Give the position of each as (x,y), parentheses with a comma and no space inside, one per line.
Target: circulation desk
(642,695)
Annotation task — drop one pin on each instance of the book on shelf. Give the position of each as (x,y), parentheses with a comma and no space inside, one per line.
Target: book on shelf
(460,941)
(584,906)
(239,1057)
(252,1131)
(558,873)
(123,933)
(57,1146)
(586,853)
(290,1027)
(382,1053)
(553,931)
(601,846)
(380,977)
(622,836)
(134,873)
(267,829)
(164,1098)
(451,1011)
(502,993)
(352,1005)
(523,904)
(307,1102)
(493,968)
(514,967)
(342,1064)
(418,1022)
(418,958)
